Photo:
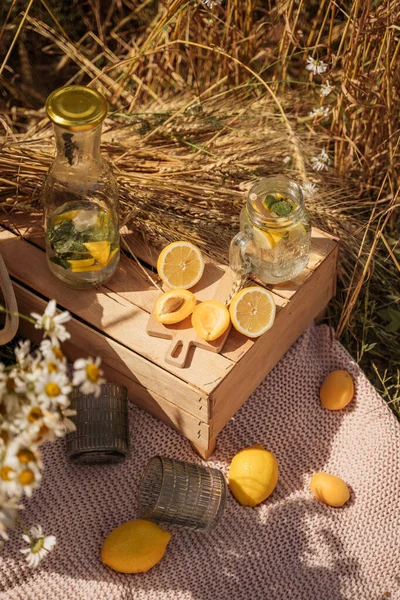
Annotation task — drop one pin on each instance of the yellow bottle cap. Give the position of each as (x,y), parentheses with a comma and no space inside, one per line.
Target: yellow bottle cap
(76,108)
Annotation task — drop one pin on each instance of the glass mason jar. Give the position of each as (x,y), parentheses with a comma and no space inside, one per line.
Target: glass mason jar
(80,194)
(275,232)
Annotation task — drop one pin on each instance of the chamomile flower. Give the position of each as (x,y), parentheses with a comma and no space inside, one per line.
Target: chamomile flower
(321,162)
(29,420)
(39,545)
(28,477)
(52,353)
(316,66)
(326,89)
(212,3)
(321,111)
(309,189)
(22,352)
(52,324)
(9,483)
(52,389)
(58,423)
(88,376)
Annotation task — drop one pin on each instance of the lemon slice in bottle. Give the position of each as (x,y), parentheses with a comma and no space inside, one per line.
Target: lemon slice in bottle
(252,311)
(100,251)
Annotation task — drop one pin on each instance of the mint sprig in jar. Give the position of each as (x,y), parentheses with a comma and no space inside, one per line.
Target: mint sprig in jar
(275,232)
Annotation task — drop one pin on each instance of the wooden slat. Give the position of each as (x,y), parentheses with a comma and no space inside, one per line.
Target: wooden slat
(177,418)
(233,391)
(118,360)
(109,313)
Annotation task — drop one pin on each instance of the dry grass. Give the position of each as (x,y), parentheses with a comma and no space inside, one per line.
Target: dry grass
(204,101)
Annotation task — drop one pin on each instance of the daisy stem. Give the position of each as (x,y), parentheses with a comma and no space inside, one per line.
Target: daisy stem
(16,314)
(24,527)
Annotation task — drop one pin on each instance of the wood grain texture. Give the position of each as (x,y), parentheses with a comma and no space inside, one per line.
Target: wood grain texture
(118,360)
(107,312)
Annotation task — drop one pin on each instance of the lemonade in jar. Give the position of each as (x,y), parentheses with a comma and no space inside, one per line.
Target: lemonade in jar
(275,232)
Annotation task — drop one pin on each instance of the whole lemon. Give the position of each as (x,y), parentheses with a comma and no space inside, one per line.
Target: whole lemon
(253,475)
(135,546)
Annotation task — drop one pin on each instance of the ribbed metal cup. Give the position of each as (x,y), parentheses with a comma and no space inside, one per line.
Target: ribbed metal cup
(102,433)
(190,495)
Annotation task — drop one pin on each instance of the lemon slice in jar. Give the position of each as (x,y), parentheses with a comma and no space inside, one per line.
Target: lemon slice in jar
(263,239)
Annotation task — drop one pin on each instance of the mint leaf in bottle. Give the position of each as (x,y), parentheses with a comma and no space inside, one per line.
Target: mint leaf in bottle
(281,208)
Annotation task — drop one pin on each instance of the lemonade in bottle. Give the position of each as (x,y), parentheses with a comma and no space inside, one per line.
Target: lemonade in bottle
(80,194)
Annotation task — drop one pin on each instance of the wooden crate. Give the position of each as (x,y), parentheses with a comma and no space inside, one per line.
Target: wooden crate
(199,399)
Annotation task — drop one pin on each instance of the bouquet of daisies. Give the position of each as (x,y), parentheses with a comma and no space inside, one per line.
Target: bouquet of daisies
(34,408)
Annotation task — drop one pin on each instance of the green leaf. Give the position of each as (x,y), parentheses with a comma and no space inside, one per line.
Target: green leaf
(393,317)
(61,262)
(269,201)
(281,208)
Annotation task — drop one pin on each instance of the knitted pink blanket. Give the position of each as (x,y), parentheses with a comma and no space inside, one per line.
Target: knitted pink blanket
(289,548)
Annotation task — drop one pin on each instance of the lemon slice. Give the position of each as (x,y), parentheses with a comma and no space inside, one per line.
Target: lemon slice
(277,235)
(210,320)
(252,311)
(66,216)
(263,239)
(298,234)
(86,269)
(180,265)
(84,262)
(99,250)
(174,306)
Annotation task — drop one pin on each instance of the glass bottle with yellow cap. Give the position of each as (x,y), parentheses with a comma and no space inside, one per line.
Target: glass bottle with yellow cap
(80,194)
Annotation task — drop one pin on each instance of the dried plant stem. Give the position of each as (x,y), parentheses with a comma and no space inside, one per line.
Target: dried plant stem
(20,26)
(144,271)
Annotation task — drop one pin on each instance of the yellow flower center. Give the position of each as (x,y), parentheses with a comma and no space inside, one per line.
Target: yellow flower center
(25,455)
(5,473)
(52,367)
(93,373)
(58,353)
(35,414)
(52,390)
(26,477)
(37,546)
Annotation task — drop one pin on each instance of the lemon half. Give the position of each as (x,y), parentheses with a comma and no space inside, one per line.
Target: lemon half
(252,311)
(180,265)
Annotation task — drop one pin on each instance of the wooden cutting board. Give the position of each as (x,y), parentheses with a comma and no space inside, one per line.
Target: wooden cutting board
(215,284)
